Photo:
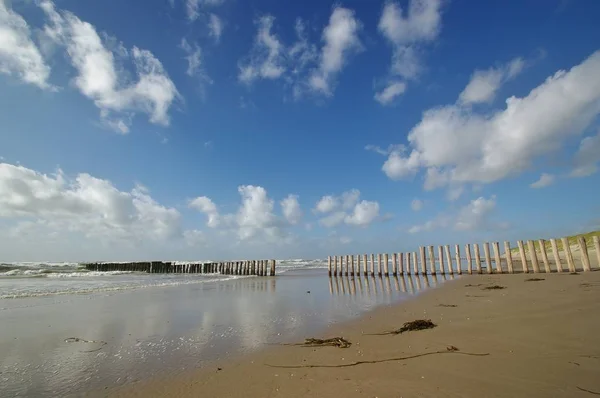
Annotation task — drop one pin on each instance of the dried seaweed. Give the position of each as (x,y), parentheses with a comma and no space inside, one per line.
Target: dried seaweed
(449,350)
(534,279)
(447,305)
(419,324)
(333,342)
(591,392)
(494,287)
(79,340)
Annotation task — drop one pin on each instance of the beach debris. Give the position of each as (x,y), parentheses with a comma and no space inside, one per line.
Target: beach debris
(419,324)
(574,273)
(591,392)
(447,305)
(534,279)
(449,350)
(471,285)
(494,287)
(333,342)
(79,340)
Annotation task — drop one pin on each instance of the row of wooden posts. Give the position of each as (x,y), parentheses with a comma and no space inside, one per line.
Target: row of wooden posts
(425,262)
(247,267)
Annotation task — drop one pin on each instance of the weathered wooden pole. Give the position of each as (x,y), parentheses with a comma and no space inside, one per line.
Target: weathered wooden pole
(508,255)
(458,260)
(544,254)
(441,256)
(488,258)
(365,265)
(273,265)
(423,260)
(372,264)
(523,257)
(358,265)
(449,258)
(401,263)
(379,264)
(597,247)
(496,247)
(556,255)
(477,258)
(407,262)
(585,258)
(386,261)
(431,260)
(415,261)
(329,265)
(533,255)
(469,259)
(335,265)
(569,254)
(341,271)
(395,264)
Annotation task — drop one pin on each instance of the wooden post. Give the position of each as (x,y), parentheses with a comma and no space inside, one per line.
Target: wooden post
(379,264)
(401,263)
(358,265)
(597,247)
(488,258)
(365,265)
(567,249)
(585,258)
(458,261)
(335,265)
(415,268)
(407,262)
(542,243)
(523,257)
(423,260)
(447,249)
(441,256)
(432,260)
(386,261)
(395,264)
(352,265)
(508,255)
(329,264)
(347,265)
(496,247)
(533,255)
(469,259)
(372,264)
(477,258)
(273,264)
(556,255)
(341,271)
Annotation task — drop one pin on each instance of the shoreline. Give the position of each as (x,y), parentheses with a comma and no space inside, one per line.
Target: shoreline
(540,337)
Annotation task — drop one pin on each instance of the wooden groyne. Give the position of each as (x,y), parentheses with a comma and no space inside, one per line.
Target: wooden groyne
(527,257)
(247,267)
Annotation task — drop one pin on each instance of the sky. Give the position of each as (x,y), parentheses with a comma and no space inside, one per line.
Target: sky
(234,129)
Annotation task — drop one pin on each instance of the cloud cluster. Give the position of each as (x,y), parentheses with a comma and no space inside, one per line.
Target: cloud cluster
(346,208)
(300,64)
(456,145)
(484,84)
(407,32)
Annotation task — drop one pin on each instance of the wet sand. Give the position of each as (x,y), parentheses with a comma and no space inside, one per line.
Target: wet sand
(540,339)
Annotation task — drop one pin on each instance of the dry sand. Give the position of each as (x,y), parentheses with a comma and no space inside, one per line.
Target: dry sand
(543,340)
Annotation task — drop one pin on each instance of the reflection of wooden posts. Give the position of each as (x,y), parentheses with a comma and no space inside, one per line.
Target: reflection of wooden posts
(568,254)
(418,280)
(469,259)
(458,261)
(396,283)
(544,254)
(449,258)
(477,258)
(395,264)
(329,265)
(441,256)
(386,261)
(368,285)
(488,258)
(496,247)
(533,255)
(360,289)
(337,286)
(388,285)
(523,257)
(585,258)
(352,265)
(556,255)
(426,279)
(411,284)
(597,248)
(403,284)
(508,255)
(423,260)
(331,286)
(432,260)
(415,268)
(372,264)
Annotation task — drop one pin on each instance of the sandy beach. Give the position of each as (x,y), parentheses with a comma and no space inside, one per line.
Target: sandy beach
(529,339)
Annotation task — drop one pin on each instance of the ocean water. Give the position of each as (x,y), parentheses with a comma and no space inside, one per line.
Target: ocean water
(65,331)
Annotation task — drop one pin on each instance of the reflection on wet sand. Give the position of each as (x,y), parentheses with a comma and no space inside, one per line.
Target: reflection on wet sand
(376,286)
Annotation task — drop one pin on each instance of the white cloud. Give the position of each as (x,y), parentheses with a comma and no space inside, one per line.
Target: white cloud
(333,219)
(194,62)
(407,31)
(87,205)
(390,92)
(99,79)
(215,27)
(291,209)
(587,157)
(327,204)
(266,59)
(456,145)
(341,40)
(364,213)
(416,204)
(18,53)
(484,84)
(206,206)
(544,181)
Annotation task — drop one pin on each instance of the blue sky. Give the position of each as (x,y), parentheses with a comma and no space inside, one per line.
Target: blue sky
(195,129)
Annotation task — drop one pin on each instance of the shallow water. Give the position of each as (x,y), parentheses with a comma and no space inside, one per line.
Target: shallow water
(166,329)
